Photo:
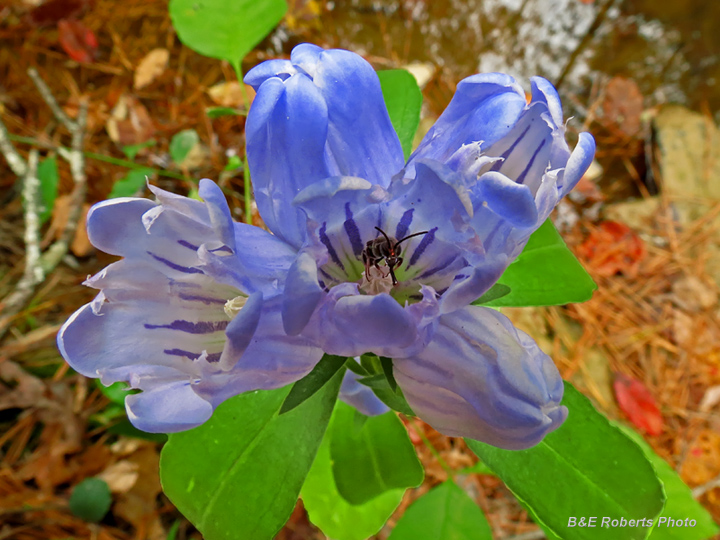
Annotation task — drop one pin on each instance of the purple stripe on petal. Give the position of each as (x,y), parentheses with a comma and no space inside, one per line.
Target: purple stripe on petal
(188,245)
(422,246)
(204,299)
(202,327)
(352,231)
(506,153)
(174,266)
(521,178)
(212,357)
(404,224)
(326,242)
(436,269)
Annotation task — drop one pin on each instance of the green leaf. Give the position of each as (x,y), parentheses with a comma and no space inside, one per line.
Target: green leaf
(182,143)
(680,502)
(545,274)
(225,29)
(313,381)
(387,368)
(377,379)
(496,291)
(336,517)
(131,183)
(585,468)
(90,500)
(131,150)
(403,100)
(217,112)
(371,457)
(445,512)
(116,392)
(47,173)
(234,163)
(239,474)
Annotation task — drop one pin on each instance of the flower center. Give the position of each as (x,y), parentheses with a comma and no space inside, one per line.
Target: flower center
(233,307)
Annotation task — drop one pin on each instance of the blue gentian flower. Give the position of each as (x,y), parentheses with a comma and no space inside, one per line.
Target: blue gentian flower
(202,308)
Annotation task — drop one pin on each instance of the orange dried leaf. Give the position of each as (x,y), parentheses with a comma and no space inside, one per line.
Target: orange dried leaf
(150,67)
(636,401)
(624,105)
(613,248)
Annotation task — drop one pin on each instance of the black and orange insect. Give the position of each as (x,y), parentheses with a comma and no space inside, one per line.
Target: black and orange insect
(387,248)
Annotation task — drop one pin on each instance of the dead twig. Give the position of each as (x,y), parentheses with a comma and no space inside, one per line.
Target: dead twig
(701,490)
(38,265)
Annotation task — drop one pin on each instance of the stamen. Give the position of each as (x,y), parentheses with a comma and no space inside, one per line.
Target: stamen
(233,307)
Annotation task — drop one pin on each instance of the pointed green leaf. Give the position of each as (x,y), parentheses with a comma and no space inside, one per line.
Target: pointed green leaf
(403,100)
(371,457)
(313,381)
(387,368)
(225,29)
(239,474)
(586,468)
(545,274)
(443,513)
(182,143)
(680,501)
(496,291)
(330,512)
(132,150)
(131,183)
(47,173)
(217,112)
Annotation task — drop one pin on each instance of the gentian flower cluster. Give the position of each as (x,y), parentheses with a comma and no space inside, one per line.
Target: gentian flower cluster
(201,308)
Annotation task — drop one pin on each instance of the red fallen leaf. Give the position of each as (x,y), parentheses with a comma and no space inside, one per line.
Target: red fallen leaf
(613,248)
(638,404)
(77,40)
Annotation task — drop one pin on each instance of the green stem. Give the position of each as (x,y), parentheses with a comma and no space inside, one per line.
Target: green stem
(432,449)
(101,157)
(247,185)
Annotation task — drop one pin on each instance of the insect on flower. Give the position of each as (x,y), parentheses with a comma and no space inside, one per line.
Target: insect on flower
(385,247)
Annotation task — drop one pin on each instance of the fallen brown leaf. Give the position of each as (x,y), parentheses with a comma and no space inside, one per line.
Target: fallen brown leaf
(151,67)
(129,122)
(81,246)
(230,94)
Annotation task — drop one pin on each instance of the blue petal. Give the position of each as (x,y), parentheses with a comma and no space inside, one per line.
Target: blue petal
(306,56)
(580,159)
(526,149)
(361,139)
(272,359)
(374,321)
(349,324)
(484,109)
(282,69)
(360,396)
(302,294)
(481,378)
(543,91)
(325,200)
(168,409)
(219,212)
(476,281)
(240,331)
(286,131)
(509,200)
(141,317)
(438,198)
